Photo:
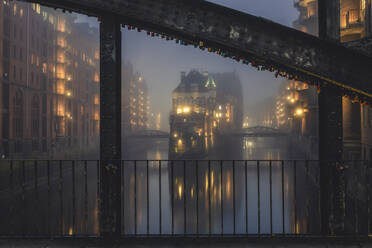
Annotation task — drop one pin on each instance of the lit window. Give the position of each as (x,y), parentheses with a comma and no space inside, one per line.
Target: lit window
(186,110)
(61,25)
(45,15)
(38,8)
(51,19)
(61,41)
(61,72)
(96,77)
(96,99)
(61,57)
(61,109)
(60,88)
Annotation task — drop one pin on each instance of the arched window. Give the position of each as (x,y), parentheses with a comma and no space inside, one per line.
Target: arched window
(18,114)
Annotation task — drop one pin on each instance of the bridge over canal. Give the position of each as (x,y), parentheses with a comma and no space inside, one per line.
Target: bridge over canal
(336,69)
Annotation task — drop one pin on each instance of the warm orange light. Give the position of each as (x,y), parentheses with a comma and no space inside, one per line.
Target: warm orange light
(180,191)
(96,99)
(186,110)
(299,112)
(96,77)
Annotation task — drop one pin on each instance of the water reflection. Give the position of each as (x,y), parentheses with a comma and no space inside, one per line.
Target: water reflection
(216,197)
(165,197)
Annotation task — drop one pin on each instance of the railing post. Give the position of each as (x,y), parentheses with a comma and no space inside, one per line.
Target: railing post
(331,133)
(110,128)
(368,18)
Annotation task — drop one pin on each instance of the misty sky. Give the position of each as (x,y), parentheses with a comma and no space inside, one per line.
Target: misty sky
(160,62)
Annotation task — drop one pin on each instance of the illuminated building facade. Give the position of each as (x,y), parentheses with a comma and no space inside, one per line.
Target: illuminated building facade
(355,23)
(205,106)
(292,105)
(136,104)
(49,83)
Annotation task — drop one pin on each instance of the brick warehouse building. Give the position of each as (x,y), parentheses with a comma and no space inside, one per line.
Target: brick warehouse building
(355,23)
(49,83)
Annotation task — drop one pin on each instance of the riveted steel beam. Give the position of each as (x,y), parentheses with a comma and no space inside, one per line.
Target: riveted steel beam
(363,45)
(242,36)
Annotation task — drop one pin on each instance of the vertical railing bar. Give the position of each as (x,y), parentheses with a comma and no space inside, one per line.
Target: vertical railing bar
(98,190)
(346,196)
(48,204)
(307,190)
(184,197)
(160,210)
(12,205)
(283,204)
(356,227)
(86,196)
(271,197)
(234,199)
(295,194)
(221,172)
(172,197)
(148,198)
(73,199)
(36,179)
(135,197)
(367,198)
(36,186)
(319,198)
(122,163)
(209,199)
(197,197)
(258,199)
(246,195)
(23,198)
(61,197)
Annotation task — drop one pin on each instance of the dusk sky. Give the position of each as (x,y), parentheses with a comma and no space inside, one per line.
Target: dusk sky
(160,62)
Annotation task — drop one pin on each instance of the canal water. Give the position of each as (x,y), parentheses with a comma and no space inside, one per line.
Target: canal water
(161,197)
(232,197)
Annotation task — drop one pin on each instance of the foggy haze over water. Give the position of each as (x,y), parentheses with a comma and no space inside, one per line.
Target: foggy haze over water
(160,62)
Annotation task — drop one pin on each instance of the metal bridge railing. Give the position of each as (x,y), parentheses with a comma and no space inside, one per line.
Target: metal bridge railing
(178,198)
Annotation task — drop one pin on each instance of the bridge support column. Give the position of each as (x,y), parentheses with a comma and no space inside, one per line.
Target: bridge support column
(331,133)
(110,129)
(331,171)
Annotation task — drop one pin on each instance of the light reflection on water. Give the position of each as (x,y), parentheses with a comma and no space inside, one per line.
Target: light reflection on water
(205,199)
(212,208)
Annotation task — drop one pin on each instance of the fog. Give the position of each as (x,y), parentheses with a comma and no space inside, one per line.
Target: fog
(243,97)
(210,146)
